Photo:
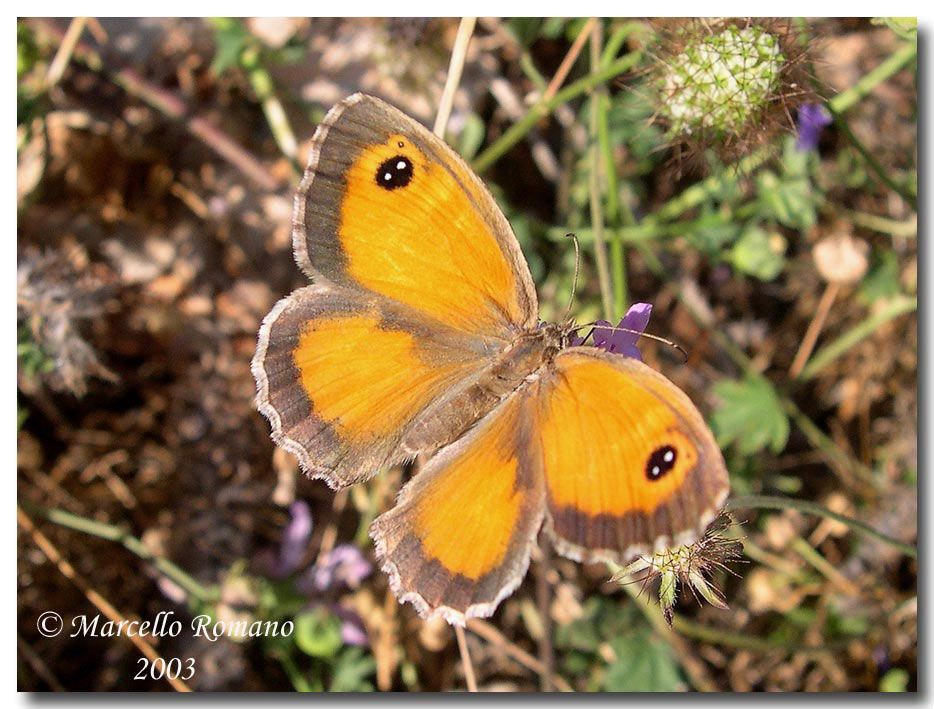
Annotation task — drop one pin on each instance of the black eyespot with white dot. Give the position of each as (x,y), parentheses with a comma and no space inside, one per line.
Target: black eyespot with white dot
(394,172)
(661,461)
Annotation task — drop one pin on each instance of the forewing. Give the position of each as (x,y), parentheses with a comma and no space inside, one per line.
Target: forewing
(387,207)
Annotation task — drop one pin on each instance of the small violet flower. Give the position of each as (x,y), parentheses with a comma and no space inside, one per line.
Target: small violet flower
(623,338)
(344,564)
(294,539)
(812,117)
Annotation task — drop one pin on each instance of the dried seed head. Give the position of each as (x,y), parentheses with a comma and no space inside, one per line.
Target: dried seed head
(689,564)
(841,258)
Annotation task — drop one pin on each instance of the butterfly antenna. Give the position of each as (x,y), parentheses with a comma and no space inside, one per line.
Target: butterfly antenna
(648,335)
(577,268)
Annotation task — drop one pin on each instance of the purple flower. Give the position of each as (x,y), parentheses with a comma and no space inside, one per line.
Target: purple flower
(622,339)
(294,539)
(812,117)
(353,632)
(344,564)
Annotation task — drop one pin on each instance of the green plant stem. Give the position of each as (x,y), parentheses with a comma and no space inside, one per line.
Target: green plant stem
(613,212)
(845,100)
(829,352)
(264,88)
(902,190)
(824,567)
(293,672)
(114,533)
(519,129)
(907,229)
(714,636)
(616,40)
(786,503)
(596,173)
(532,73)
(839,460)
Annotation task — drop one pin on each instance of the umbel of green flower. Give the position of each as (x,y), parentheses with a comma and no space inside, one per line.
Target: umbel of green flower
(720,82)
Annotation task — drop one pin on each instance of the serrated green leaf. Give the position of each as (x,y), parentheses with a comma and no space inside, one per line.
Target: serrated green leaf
(751,415)
(882,281)
(643,664)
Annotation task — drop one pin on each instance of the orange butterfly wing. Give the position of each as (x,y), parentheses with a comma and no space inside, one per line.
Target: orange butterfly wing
(459,538)
(419,285)
(629,464)
(343,377)
(387,207)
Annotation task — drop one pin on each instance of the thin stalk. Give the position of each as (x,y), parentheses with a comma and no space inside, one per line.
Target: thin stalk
(613,212)
(65,50)
(907,229)
(596,187)
(264,88)
(815,559)
(845,465)
(543,108)
(469,676)
(455,70)
(133,544)
(768,502)
(900,189)
(714,636)
(851,337)
(845,100)
(573,53)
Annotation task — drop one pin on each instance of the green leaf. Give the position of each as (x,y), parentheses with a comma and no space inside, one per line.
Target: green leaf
(643,664)
(882,281)
(318,633)
(231,38)
(895,680)
(790,199)
(471,137)
(751,415)
(351,671)
(758,253)
(713,230)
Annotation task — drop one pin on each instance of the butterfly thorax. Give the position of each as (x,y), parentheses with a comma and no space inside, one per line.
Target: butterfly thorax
(521,360)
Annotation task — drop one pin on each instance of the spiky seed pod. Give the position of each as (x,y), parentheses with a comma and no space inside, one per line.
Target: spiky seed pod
(728,84)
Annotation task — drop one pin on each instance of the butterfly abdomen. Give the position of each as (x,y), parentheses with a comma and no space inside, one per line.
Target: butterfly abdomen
(447,419)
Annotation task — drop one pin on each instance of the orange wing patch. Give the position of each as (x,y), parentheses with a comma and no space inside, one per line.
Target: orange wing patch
(460,536)
(409,231)
(481,482)
(363,380)
(600,464)
(628,460)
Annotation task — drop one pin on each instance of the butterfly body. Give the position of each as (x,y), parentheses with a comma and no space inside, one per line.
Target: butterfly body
(420,337)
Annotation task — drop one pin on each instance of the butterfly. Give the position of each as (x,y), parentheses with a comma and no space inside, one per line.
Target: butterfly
(419,337)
